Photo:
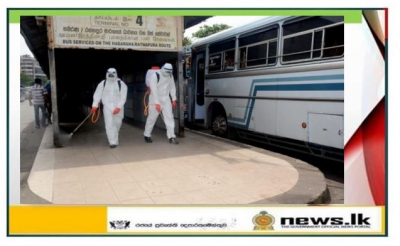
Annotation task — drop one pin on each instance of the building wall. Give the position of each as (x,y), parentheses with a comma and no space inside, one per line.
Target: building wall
(31,67)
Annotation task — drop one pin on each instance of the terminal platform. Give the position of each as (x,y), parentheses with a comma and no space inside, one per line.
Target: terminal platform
(202,169)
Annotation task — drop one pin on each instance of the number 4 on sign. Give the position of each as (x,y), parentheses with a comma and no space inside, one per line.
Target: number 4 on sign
(139,20)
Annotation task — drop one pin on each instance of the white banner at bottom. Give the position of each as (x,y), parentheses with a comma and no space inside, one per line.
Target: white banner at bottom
(247,220)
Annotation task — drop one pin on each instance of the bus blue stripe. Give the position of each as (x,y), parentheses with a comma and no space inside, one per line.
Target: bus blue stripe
(290,87)
(294,79)
(303,78)
(300,87)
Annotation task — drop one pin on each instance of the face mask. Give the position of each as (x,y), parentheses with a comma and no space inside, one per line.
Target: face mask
(166,73)
(111,75)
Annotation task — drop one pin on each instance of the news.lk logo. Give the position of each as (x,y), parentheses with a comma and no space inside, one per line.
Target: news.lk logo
(355,221)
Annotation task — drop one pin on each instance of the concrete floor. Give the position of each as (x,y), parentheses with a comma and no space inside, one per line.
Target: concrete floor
(27,115)
(332,171)
(200,170)
(30,139)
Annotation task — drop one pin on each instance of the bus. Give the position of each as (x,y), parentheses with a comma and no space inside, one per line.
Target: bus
(278,80)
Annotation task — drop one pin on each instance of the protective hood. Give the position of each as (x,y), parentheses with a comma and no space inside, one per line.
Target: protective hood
(166,70)
(111,75)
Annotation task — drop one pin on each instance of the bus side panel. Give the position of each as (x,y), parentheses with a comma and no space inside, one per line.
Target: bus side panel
(326,129)
(220,88)
(279,104)
(265,115)
(319,92)
(290,124)
(242,113)
(250,111)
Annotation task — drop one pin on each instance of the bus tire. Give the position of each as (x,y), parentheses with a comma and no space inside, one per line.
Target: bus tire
(219,125)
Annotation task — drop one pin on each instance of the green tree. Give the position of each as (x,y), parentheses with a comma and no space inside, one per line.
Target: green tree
(206,30)
(186,41)
(26,80)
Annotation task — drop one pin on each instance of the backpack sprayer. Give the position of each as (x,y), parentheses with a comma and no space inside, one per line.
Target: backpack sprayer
(153,69)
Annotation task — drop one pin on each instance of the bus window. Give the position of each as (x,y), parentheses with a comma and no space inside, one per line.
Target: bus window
(313,38)
(303,24)
(215,62)
(229,63)
(334,41)
(221,56)
(297,48)
(258,48)
(257,55)
(258,37)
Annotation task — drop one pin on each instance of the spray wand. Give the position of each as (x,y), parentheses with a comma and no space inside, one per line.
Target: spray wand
(95,118)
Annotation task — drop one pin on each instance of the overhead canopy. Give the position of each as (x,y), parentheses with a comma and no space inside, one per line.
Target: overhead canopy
(35,35)
(194,20)
(36,38)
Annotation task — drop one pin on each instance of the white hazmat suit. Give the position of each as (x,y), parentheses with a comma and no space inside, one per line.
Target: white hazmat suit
(160,94)
(113,98)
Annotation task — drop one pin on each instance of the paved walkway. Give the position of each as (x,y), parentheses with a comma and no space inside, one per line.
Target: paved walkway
(30,139)
(27,114)
(200,170)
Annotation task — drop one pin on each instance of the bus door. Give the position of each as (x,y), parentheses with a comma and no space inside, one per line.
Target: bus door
(199,109)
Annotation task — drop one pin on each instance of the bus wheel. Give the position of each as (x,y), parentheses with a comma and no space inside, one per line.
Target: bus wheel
(220,126)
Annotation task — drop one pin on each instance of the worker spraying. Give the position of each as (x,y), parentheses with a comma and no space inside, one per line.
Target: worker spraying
(112,92)
(162,85)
